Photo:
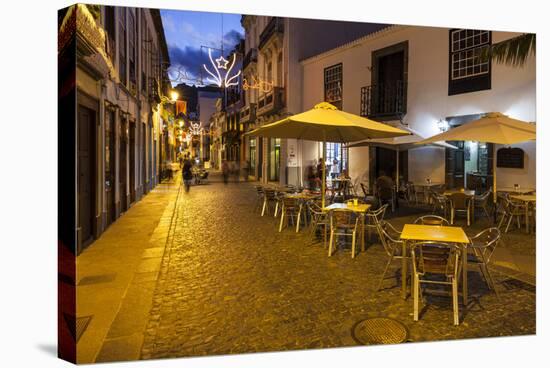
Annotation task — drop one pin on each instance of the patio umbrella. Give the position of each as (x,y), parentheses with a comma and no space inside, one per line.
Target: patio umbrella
(326,123)
(399,144)
(494,127)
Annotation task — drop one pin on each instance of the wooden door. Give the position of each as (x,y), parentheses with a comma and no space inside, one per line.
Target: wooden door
(390,77)
(110,166)
(86,177)
(123,157)
(132,161)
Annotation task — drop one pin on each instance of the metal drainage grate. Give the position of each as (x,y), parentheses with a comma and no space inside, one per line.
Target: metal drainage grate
(97,279)
(77,326)
(379,330)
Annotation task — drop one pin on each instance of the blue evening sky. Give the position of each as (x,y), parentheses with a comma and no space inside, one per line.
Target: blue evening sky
(187,31)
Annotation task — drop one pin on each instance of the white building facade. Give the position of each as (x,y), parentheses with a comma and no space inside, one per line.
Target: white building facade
(425,78)
(273,49)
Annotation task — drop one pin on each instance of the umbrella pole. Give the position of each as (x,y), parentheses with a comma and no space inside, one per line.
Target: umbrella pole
(397,170)
(323,182)
(495,181)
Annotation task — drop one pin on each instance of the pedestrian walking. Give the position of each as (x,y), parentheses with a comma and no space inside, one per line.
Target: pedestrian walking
(187,173)
(225,171)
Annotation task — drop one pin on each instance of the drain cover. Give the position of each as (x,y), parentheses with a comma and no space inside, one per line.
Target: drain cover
(380,330)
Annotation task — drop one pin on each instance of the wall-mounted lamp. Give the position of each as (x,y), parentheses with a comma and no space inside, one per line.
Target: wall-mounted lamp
(174,96)
(443,125)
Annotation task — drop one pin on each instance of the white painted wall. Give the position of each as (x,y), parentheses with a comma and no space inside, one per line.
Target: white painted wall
(512,93)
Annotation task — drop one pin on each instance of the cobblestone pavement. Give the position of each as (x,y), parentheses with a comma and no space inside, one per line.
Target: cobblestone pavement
(230,283)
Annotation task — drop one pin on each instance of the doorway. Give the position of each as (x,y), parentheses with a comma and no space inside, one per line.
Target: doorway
(86,175)
(132,162)
(384,162)
(471,164)
(110,166)
(123,167)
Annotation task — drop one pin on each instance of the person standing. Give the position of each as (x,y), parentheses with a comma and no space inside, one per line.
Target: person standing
(225,171)
(187,173)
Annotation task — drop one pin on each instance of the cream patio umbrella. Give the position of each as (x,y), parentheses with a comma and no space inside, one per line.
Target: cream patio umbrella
(494,127)
(326,123)
(399,144)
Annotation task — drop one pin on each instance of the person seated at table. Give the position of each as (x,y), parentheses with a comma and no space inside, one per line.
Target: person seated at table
(385,189)
(384,181)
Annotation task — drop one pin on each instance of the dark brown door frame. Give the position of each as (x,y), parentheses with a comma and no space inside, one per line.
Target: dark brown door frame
(84,101)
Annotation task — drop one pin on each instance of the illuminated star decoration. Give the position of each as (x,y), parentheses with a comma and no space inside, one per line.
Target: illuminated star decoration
(217,79)
(195,128)
(222,63)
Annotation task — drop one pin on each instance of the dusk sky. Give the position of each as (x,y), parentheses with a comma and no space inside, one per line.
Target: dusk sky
(187,31)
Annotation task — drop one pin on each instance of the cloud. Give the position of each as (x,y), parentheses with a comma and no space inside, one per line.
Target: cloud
(231,39)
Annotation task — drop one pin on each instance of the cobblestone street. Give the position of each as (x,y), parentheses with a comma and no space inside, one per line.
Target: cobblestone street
(230,283)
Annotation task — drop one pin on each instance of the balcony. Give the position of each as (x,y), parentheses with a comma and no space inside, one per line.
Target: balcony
(384,101)
(250,57)
(272,101)
(275,27)
(248,113)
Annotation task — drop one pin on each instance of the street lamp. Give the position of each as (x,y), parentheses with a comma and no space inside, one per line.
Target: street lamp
(174,96)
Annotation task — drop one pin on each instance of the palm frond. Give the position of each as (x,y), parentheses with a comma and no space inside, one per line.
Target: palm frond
(512,52)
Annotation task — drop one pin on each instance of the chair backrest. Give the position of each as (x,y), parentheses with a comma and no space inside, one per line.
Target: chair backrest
(289,202)
(483,198)
(365,189)
(389,237)
(269,193)
(486,241)
(435,258)
(432,220)
(459,201)
(315,207)
(340,217)
(259,190)
(378,214)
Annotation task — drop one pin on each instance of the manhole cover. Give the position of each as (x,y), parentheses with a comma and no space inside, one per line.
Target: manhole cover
(380,330)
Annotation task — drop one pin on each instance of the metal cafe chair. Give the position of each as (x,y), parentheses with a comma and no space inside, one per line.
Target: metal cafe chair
(270,200)
(460,202)
(319,218)
(290,210)
(431,220)
(259,198)
(435,259)
(482,201)
(511,210)
(374,218)
(344,223)
(393,247)
(483,246)
(440,203)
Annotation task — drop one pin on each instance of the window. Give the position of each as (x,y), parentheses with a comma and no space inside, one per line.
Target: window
(110,29)
(468,72)
(333,85)
(144,52)
(466,50)
(132,46)
(280,69)
(122,46)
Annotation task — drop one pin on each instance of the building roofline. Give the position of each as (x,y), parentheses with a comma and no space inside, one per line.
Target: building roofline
(369,37)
